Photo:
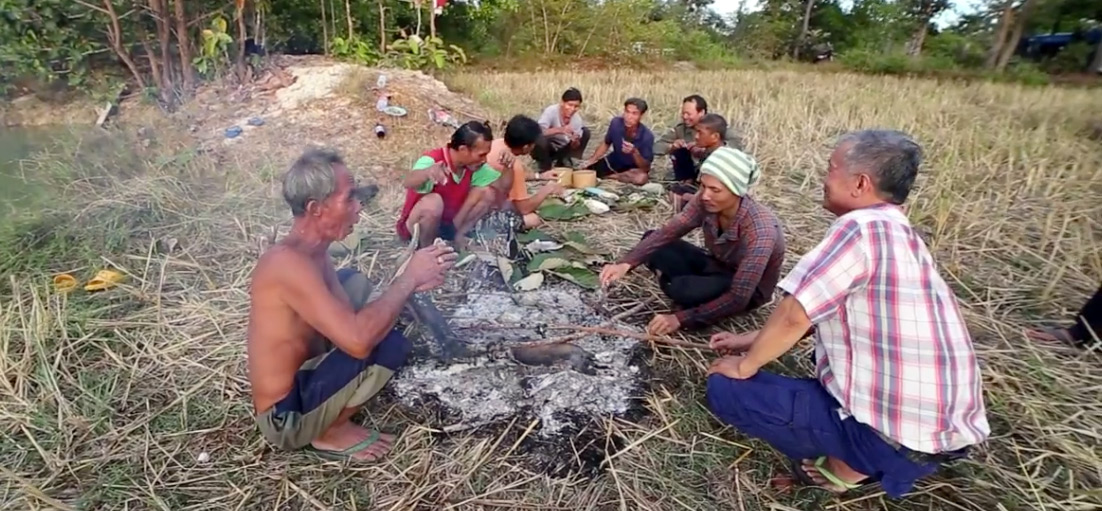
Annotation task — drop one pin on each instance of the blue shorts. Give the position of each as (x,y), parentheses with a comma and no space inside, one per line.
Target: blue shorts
(799,418)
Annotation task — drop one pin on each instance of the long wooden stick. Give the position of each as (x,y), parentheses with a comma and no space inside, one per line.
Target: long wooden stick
(634,335)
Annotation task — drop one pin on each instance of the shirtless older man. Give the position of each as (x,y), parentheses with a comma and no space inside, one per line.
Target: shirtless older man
(317,350)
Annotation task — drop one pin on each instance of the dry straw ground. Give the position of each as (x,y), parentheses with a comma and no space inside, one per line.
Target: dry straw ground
(108,400)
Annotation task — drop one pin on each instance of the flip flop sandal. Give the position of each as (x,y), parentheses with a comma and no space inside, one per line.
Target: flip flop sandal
(820,463)
(346,454)
(103,280)
(64,283)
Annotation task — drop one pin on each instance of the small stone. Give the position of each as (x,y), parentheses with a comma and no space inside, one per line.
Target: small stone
(204,457)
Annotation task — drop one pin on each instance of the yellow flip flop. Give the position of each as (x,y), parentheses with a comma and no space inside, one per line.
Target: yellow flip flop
(103,280)
(64,283)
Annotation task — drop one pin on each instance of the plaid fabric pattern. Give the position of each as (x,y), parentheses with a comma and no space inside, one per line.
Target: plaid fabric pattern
(752,248)
(890,343)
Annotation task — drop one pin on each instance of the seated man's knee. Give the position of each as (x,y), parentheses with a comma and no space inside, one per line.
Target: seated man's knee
(532,220)
(724,396)
(356,285)
(393,351)
(430,206)
(638,177)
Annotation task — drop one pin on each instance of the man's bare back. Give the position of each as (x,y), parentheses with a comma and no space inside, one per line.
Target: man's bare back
(316,355)
(279,340)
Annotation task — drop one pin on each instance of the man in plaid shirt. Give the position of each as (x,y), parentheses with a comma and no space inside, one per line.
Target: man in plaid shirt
(898,388)
(744,249)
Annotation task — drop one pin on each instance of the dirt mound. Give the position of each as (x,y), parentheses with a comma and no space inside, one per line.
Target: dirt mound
(332,104)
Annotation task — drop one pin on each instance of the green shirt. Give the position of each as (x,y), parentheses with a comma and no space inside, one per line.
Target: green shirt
(484,176)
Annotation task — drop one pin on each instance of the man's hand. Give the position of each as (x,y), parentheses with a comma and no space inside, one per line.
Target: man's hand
(628,147)
(437,174)
(663,324)
(696,151)
(613,272)
(678,144)
(552,188)
(506,161)
(428,266)
(730,342)
(732,367)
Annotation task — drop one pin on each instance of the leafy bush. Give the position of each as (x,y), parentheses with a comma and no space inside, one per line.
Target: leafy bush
(414,52)
(354,49)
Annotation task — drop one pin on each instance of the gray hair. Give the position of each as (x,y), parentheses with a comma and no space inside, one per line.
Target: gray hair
(311,178)
(890,157)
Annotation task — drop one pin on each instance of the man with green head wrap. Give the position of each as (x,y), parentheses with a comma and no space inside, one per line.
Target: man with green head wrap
(741,264)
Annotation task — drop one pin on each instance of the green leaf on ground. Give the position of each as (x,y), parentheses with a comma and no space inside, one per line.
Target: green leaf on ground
(559,210)
(534,235)
(580,276)
(577,242)
(506,267)
(550,261)
(529,283)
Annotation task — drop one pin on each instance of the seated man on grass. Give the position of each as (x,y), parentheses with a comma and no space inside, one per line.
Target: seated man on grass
(627,151)
(317,351)
(510,179)
(445,195)
(681,145)
(745,249)
(565,135)
(710,133)
(897,391)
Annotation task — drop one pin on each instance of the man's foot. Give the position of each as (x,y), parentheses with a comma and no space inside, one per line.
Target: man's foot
(832,474)
(1051,335)
(353,442)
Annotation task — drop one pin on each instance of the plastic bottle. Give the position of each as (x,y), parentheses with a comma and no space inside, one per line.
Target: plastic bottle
(380,131)
(381,82)
(382,103)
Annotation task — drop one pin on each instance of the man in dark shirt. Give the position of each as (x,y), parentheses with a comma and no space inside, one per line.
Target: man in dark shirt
(628,148)
(745,249)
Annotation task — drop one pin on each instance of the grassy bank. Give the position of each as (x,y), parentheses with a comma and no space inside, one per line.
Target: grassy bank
(110,399)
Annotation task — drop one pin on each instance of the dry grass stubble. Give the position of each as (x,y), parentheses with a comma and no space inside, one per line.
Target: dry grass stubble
(109,400)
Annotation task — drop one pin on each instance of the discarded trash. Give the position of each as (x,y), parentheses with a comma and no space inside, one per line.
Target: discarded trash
(395,111)
(381,82)
(543,246)
(105,279)
(382,103)
(380,131)
(653,188)
(441,116)
(204,457)
(64,283)
(233,131)
(256,121)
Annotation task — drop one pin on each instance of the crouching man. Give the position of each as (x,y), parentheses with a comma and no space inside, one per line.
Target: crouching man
(897,390)
(317,350)
(448,189)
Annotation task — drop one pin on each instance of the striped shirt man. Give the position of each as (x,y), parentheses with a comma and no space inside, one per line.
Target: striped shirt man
(890,343)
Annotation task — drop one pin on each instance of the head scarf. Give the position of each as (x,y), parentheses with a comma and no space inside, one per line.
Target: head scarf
(737,170)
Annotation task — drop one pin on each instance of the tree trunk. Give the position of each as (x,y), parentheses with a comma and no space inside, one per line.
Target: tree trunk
(1096,62)
(114,36)
(803,30)
(184,43)
(382,28)
(1011,44)
(241,37)
(348,16)
(432,18)
(918,39)
(1001,34)
(324,30)
(159,9)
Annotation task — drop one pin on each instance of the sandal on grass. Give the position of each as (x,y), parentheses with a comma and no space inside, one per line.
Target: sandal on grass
(820,463)
(348,453)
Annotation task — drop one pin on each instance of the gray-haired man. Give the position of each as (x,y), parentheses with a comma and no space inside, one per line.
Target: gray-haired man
(317,351)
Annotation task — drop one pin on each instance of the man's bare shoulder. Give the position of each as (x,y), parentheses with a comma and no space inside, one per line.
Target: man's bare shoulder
(278,262)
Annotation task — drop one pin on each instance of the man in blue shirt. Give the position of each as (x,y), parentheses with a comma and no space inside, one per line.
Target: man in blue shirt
(628,148)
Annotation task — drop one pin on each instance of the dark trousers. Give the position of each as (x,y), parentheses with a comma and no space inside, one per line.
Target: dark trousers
(1088,320)
(684,167)
(799,418)
(547,155)
(688,274)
